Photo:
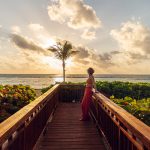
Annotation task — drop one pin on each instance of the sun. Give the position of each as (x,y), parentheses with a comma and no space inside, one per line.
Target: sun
(69,62)
(46,41)
(49,42)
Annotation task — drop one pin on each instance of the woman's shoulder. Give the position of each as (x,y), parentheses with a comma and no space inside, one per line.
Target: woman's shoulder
(91,77)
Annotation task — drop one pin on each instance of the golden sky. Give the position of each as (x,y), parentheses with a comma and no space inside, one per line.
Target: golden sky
(111,37)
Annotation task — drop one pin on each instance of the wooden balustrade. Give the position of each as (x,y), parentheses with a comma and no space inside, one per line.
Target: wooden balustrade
(22,130)
(121,130)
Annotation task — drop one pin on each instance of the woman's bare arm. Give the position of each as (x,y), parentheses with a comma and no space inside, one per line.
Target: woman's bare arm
(94,83)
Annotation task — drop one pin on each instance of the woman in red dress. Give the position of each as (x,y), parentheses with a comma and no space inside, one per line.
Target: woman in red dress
(90,83)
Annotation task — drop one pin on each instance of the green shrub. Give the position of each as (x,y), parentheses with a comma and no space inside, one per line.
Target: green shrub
(13,98)
(139,108)
(122,89)
(43,90)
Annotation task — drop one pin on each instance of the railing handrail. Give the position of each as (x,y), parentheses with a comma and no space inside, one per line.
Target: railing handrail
(137,127)
(11,124)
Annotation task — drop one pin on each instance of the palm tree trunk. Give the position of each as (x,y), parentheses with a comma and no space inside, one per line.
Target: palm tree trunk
(63,70)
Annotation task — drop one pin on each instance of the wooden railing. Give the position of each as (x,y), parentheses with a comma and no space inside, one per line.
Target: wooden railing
(121,130)
(22,130)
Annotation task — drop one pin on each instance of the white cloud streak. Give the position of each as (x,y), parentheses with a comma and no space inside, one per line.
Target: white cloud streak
(15,29)
(90,35)
(35,27)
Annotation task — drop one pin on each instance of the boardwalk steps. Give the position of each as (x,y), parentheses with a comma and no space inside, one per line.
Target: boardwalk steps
(67,132)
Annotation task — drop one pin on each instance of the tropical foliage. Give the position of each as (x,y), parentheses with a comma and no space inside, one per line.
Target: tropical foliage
(120,90)
(12,98)
(138,108)
(43,90)
(63,50)
(133,97)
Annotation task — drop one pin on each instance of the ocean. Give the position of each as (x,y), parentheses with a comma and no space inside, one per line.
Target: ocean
(39,81)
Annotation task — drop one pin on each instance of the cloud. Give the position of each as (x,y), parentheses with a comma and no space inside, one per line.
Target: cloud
(88,56)
(27,44)
(35,27)
(144,44)
(15,29)
(105,57)
(19,63)
(136,58)
(90,35)
(104,60)
(83,15)
(133,39)
(76,14)
(115,52)
(83,52)
(82,56)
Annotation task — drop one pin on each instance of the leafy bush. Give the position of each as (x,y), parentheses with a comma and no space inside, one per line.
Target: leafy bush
(122,89)
(43,90)
(119,89)
(12,98)
(140,108)
(133,97)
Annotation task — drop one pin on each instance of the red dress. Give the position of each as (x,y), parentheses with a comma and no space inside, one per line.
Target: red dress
(87,100)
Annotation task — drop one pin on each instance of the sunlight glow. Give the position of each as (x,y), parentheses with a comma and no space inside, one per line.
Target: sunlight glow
(69,62)
(55,63)
(46,40)
(49,42)
(59,79)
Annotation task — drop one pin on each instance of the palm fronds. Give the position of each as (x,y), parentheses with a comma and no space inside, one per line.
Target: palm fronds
(63,50)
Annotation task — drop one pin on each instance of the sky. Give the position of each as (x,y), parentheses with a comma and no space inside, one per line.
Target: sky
(113,37)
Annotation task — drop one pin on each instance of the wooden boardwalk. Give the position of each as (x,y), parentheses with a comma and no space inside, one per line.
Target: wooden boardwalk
(66,132)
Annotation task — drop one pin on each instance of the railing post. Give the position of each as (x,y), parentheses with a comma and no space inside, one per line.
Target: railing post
(22,130)
(118,126)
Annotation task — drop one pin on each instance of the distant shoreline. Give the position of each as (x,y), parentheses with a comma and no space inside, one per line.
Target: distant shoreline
(39,81)
(74,75)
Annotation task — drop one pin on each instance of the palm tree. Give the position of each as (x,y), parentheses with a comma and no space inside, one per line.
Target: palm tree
(62,51)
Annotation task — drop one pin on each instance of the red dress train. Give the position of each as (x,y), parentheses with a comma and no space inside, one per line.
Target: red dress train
(86,103)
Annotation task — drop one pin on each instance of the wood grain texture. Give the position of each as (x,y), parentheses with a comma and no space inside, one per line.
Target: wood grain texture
(67,132)
(19,119)
(136,127)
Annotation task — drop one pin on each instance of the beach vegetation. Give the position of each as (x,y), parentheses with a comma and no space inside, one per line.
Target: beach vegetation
(13,98)
(63,51)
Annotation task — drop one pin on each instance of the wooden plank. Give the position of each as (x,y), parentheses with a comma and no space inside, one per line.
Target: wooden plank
(137,127)
(10,125)
(67,132)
